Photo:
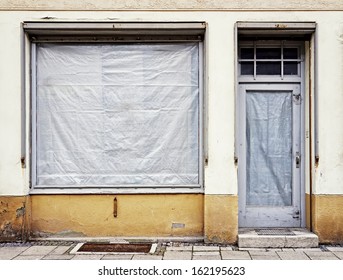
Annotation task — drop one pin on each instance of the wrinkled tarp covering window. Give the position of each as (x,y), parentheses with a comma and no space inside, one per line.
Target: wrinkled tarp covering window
(269,148)
(117,114)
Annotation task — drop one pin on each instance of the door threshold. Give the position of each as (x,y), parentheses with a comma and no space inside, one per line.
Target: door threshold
(276,238)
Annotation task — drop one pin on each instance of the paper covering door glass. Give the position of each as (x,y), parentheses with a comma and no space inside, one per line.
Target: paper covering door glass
(269,148)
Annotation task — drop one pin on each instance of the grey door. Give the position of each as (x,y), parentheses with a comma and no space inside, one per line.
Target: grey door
(270,153)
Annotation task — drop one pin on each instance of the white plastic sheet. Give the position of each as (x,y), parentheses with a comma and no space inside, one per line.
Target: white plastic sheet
(269,148)
(117,114)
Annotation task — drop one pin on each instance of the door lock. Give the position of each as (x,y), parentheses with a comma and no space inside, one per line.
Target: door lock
(296,214)
(297,159)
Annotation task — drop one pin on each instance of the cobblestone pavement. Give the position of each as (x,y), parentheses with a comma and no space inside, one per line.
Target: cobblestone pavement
(48,250)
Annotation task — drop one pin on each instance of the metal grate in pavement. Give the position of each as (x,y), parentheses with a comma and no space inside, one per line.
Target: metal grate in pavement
(114,248)
(278,231)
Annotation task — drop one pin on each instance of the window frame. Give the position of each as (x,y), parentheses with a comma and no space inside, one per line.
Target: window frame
(267,44)
(158,32)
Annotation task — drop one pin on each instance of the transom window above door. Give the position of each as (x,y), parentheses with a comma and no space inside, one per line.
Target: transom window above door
(269,58)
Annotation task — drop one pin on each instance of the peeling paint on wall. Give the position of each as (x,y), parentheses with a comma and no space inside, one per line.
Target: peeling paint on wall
(12,218)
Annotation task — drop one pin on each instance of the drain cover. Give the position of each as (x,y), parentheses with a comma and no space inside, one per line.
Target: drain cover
(137,248)
(269,231)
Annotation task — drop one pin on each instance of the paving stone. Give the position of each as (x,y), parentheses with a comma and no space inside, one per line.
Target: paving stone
(226,249)
(206,257)
(273,250)
(117,257)
(293,255)
(287,250)
(308,249)
(177,255)
(205,248)
(258,255)
(27,257)
(58,257)
(208,253)
(181,248)
(261,253)
(87,257)
(320,255)
(7,253)
(60,250)
(147,257)
(235,255)
(334,249)
(38,250)
(253,249)
(339,255)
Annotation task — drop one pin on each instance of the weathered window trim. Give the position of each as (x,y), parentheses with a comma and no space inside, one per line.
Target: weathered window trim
(275,29)
(97,32)
(114,32)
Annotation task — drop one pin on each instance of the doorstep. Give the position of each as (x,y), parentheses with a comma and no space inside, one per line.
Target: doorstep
(277,238)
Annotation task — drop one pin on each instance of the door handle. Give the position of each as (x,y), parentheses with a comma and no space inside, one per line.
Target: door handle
(297,159)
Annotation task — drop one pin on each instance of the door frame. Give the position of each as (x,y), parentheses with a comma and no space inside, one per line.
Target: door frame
(300,79)
(298,132)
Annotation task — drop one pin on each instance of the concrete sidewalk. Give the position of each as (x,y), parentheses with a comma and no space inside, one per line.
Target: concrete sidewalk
(48,250)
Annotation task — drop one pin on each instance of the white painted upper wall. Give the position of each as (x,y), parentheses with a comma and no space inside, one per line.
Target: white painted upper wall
(221,173)
(204,5)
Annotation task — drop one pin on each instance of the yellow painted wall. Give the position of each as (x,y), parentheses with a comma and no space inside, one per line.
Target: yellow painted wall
(138,215)
(221,218)
(327,217)
(13,217)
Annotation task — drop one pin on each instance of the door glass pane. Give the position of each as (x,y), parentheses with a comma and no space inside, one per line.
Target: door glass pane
(268,53)
(290,53)
(268,68)
(269,148)
(290,68)
(247,53)
(247,68)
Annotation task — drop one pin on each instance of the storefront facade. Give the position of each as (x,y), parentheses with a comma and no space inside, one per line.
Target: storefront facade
(158,120)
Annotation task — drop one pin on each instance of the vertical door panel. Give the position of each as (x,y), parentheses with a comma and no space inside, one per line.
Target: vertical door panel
(269,179)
